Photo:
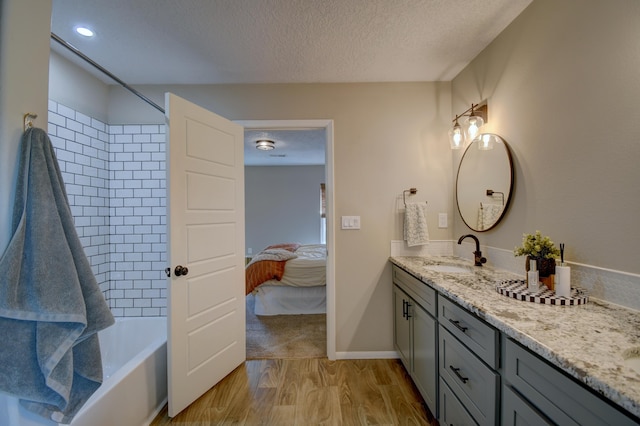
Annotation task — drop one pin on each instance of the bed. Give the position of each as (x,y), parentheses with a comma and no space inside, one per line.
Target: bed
(288,279)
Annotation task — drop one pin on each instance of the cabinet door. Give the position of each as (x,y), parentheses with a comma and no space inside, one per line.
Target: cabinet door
(402,326)
(555,394)
(517,412)
(452,412)
(425,361)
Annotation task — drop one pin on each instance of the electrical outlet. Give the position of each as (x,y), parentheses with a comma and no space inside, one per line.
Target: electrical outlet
(442,220)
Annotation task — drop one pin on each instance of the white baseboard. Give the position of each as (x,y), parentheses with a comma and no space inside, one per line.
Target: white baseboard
(368,355)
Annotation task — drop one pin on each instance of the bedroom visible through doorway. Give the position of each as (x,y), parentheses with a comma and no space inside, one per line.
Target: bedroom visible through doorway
(288,199)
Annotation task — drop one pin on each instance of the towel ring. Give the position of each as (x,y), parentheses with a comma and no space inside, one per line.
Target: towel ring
(490,193)
(411,191)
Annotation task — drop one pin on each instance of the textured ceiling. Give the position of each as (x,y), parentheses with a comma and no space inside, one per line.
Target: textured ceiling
(281,41)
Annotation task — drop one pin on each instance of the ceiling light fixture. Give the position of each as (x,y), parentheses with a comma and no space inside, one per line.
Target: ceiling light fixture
(265,144)
(84,31)
(476,117)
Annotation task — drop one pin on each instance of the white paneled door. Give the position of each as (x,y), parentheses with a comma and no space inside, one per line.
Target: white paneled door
(205,250)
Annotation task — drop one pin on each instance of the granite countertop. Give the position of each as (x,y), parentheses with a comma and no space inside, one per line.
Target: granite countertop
(586,341)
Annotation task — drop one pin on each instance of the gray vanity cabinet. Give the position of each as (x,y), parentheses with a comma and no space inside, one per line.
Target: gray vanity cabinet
(475,334)
(544,389)
(402,326)
(425,354)
(452,412)
(415,333)
(518,412)
(468,361)
(479,376)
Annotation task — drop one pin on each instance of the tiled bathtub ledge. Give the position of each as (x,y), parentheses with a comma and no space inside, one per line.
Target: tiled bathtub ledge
(587,341)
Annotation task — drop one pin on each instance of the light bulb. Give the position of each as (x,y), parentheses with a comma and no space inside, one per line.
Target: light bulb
(473,129)
(485,142)
(473,125)
(456,136)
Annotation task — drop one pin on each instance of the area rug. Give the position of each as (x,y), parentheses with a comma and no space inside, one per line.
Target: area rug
(285,336)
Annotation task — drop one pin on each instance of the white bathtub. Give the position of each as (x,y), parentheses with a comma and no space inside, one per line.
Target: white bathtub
(134,358)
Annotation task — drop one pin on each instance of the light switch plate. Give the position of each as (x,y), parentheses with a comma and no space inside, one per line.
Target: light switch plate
(350,222)
(442,220)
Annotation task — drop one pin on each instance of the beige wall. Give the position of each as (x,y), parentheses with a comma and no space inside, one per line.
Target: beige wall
(563,87)
(282,204)
(24,58)
(75,88)
(387,138)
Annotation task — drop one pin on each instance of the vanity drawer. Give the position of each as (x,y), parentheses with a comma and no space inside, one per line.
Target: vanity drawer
(558,396)
(480,337)
(474,383)
(420,291)
(451,410)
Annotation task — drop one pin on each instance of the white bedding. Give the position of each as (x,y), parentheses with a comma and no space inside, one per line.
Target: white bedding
(306,270)
(285,300)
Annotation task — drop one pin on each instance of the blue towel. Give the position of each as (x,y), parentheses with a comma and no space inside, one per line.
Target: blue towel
(51,306)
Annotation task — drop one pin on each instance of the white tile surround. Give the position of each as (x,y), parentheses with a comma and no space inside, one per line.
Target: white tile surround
(115,180)
(621,288)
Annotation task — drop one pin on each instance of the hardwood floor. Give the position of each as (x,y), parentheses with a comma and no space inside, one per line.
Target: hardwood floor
(309,392)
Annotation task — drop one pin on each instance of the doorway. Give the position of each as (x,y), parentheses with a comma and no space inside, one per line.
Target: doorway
(327,125)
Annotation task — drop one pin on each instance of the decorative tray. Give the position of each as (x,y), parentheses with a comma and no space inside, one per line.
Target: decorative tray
(517,289)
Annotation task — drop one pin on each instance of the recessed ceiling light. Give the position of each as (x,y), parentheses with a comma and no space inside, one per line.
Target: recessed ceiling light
(265,144)
(84,31)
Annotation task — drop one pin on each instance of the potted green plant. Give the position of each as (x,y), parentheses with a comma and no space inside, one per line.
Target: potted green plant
(544,252)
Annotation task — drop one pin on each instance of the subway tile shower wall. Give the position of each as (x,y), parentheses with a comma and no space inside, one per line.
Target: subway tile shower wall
(115,180)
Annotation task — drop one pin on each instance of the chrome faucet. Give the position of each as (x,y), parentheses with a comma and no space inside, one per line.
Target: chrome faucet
(477,255)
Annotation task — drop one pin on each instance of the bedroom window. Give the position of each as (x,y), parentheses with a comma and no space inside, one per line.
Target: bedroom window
(323,214)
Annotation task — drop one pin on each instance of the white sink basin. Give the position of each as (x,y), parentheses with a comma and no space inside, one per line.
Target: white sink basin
(632,359)
(450,269)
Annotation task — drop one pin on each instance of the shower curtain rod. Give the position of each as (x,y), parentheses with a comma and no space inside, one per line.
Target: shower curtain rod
(105,71)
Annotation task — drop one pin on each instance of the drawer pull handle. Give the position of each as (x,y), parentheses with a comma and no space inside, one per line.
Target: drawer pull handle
(458,326)
(404,308)
(408,314)
(456,371)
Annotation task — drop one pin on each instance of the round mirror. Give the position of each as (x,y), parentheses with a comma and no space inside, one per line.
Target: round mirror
(485,182)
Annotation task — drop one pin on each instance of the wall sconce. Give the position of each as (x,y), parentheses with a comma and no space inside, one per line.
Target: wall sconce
(476,117)
(265,144)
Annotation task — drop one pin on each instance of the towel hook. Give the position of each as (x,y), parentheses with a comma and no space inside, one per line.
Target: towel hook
(28,120)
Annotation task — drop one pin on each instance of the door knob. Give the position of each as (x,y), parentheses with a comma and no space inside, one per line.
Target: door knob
(181,270)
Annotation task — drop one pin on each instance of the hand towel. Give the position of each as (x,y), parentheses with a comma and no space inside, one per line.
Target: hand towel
(416,232)
(51,306)
(488,215)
